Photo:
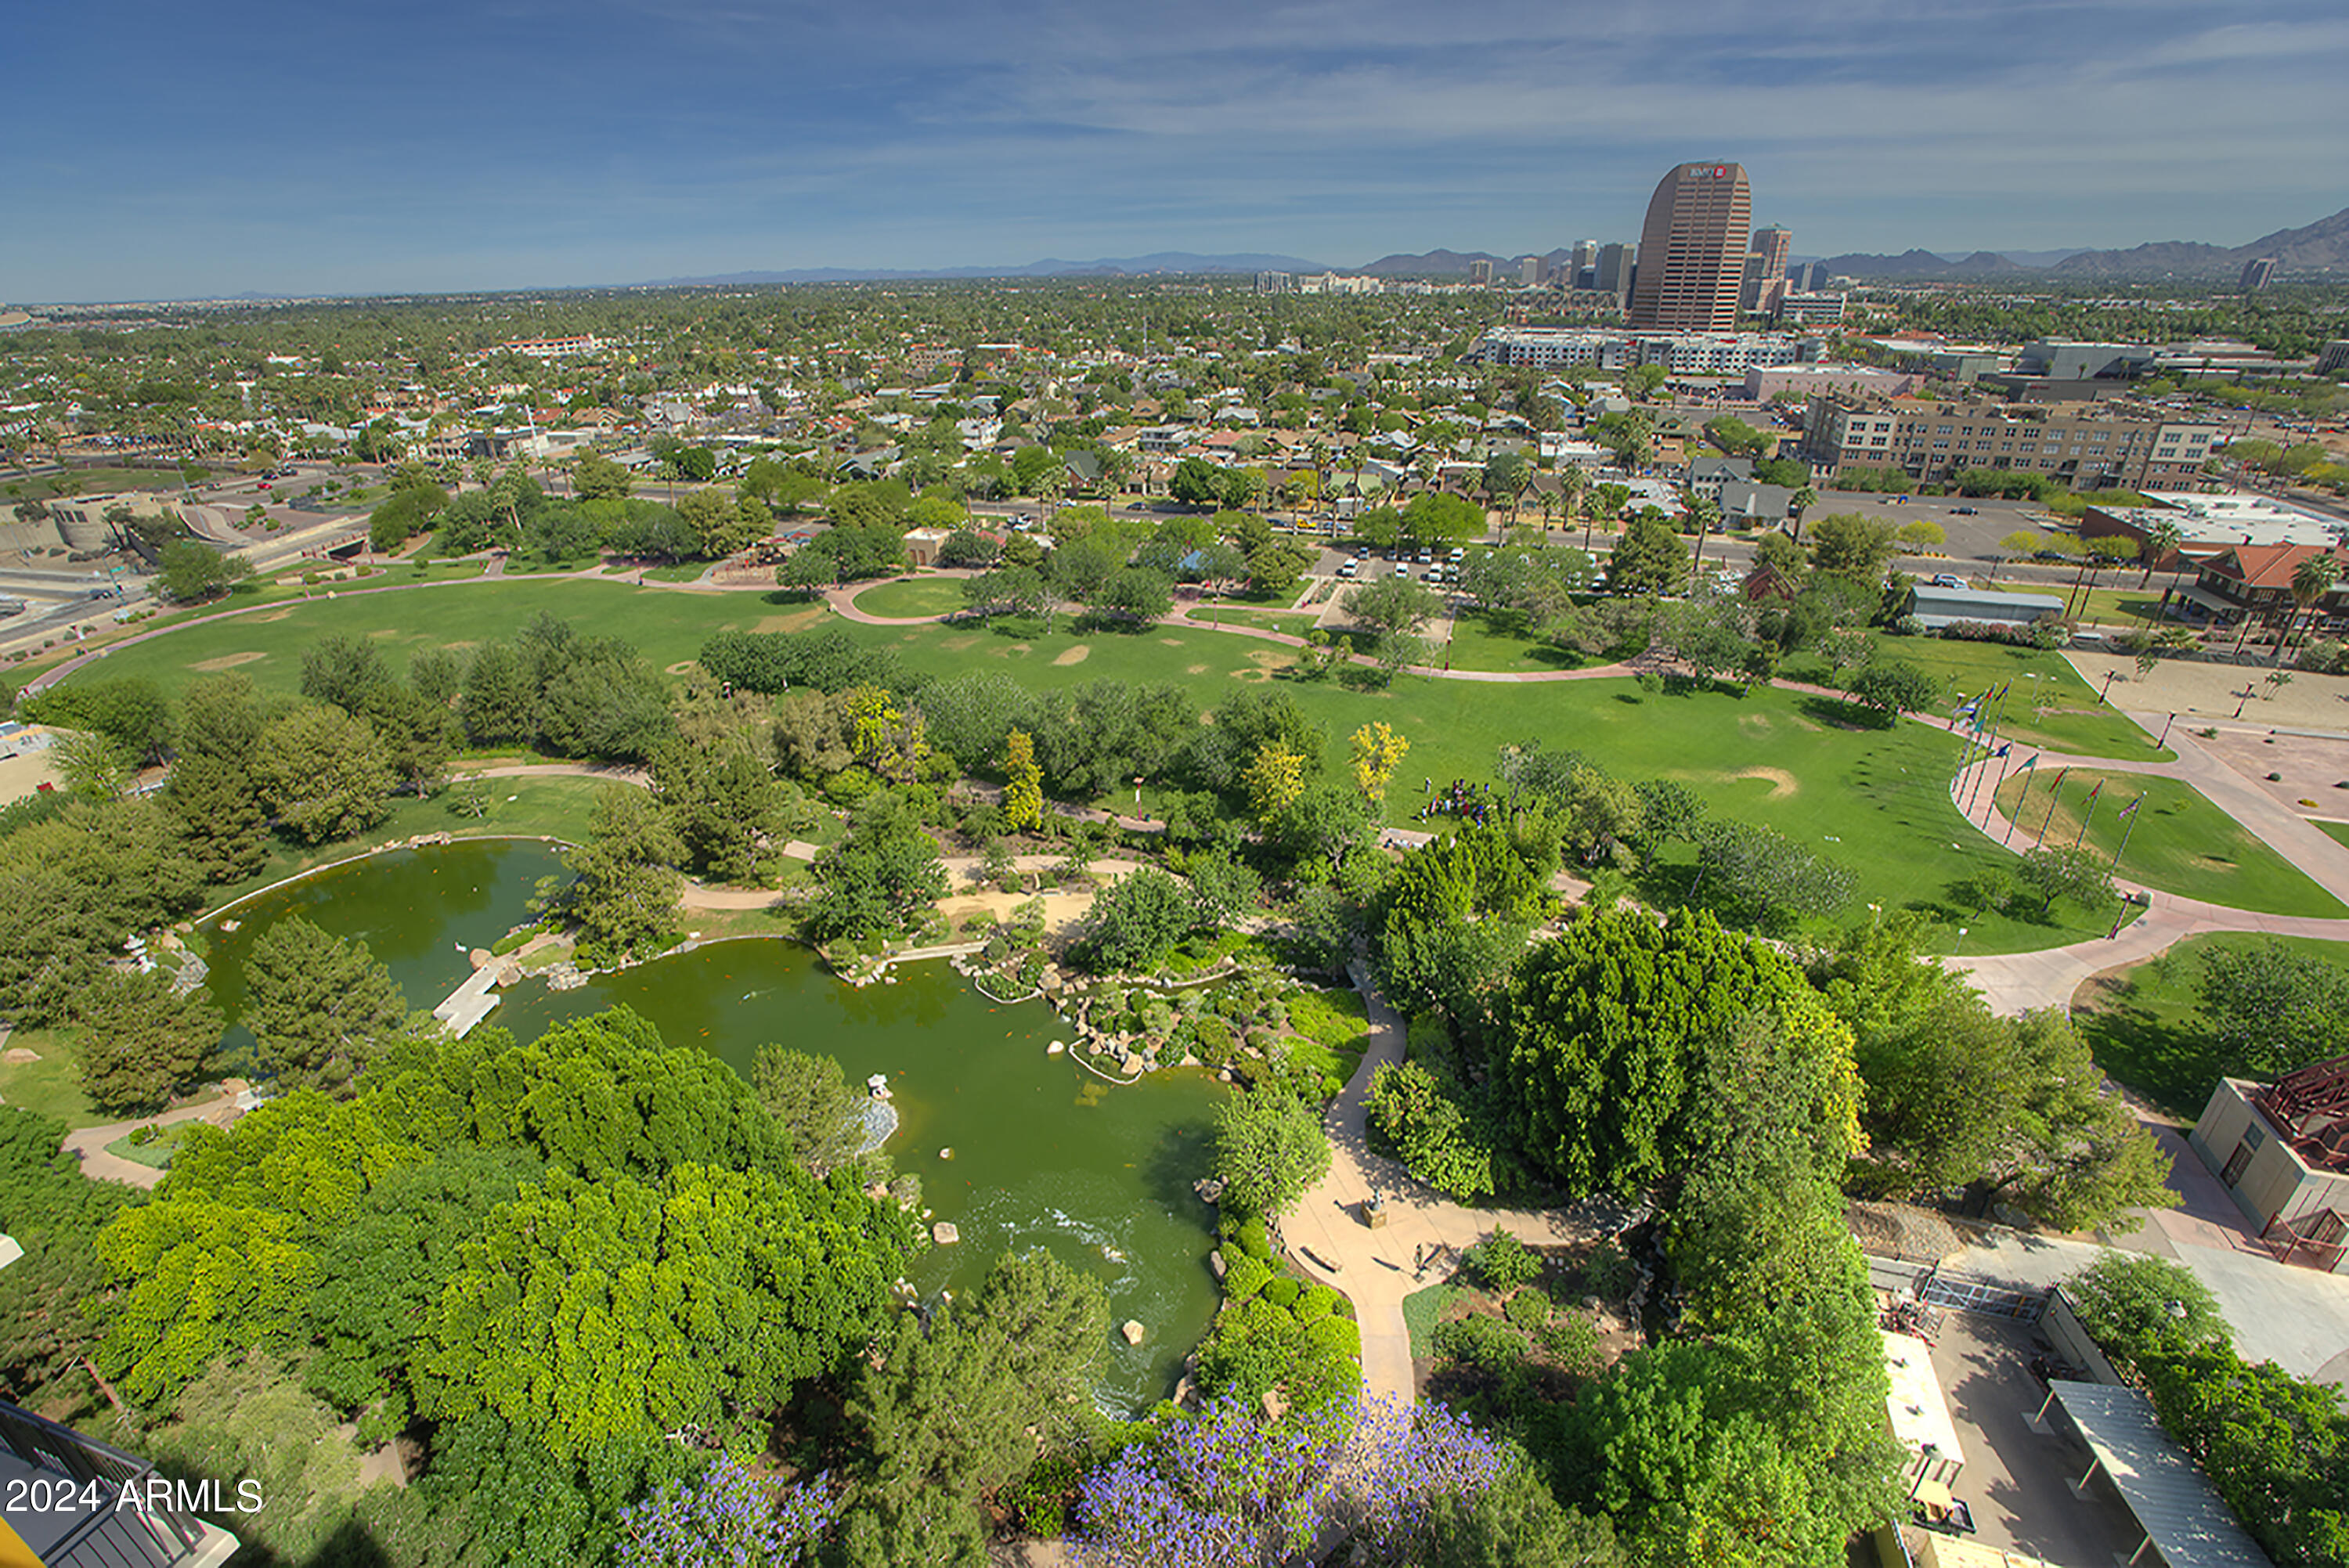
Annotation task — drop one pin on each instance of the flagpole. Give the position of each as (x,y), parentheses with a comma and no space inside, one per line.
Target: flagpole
(2019,805)
(2054,794)
(1990,805)
(2091,817)
(2122,847)
(1990,754)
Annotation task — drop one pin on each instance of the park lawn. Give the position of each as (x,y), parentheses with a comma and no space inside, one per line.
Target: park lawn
(1296,622)
(1876,800)
(91,482)
(2180,843)
(2337,832)
(684,572)
(1485,642)
(48,1086)
(1873,798)
(2144,1025)
(907,598)
(2048,705)
(668,628)
(156,1152)
(549,808)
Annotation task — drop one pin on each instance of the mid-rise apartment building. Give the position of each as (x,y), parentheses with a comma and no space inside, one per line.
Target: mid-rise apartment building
(1681,353)
(2093,446)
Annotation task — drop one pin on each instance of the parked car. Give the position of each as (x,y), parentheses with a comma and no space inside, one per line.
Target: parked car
(1945,580)
(1966,510)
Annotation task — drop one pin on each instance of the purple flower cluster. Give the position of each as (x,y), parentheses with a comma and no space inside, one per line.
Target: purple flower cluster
(729,1518)
(1228,1488)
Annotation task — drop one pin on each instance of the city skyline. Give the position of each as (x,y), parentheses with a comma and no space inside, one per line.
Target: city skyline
(278,150)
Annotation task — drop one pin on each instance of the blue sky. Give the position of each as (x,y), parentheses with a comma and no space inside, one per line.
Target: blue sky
(172,149)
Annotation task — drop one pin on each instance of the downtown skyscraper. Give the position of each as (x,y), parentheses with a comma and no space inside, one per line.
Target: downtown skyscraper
(1692,250)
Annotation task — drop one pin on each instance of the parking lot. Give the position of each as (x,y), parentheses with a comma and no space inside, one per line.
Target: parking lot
(1422,563)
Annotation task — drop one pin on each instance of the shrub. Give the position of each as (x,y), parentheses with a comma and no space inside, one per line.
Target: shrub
(1212,1042)
(1503,1262)
(1040,1499)
(1254,1239)
(1243,1277)
(1336,1336)
(1606,1272)
(1317,1302)
(1283,1290)
(1484,1344)
(1528,1309)
(1572,1341)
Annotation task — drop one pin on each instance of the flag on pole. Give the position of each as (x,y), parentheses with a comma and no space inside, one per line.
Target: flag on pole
(2094,793)
(2130,810)
(2030,765)
(2003,750)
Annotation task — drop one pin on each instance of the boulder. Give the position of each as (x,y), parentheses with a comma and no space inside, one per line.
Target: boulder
(944,1233)
(1132,1331)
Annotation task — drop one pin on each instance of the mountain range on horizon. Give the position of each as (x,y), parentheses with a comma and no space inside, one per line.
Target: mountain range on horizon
(2319,247)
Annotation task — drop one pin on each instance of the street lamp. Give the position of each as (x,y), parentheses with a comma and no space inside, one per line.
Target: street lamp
(1960,943)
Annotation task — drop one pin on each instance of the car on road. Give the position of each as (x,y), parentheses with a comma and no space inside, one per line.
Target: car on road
(265,484)
(1946,580)
(1402,569)
(1965,512)
(1346,568)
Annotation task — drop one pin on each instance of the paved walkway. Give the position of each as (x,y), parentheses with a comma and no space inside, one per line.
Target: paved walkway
(88,1144)
(1377,1269)
(2021,982)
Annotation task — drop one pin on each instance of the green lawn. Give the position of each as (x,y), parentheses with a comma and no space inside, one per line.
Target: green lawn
(1874,800)
(2047,703)
(156,1152)
(905,599)
(1495,642)
(91,481)
(2178,841)
(1421,1310)
(1296,622)
(2146,1031)
(48,1086)
(688,572)
(2337,832)
(666,627)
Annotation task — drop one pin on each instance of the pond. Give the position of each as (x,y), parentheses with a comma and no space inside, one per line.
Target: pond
(1043,1152)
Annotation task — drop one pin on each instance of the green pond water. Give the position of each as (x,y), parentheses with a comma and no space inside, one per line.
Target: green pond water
(1044,1153)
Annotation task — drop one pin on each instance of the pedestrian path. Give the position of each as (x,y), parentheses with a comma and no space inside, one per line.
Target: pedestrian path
(2021,982)
(1376,1269)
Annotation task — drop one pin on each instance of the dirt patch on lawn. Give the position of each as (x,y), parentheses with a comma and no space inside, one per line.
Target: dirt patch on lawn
(1075,656)
(1782,783)
(272,615)
(680,667)
(1194,669)
(791,623)
(957,645)
(226,662)
(1758,722)
(1171,642)
(1271,658)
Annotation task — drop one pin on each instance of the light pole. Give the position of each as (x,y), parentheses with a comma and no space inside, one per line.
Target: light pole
(1961,941)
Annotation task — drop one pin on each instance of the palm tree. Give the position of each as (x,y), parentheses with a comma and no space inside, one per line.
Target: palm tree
(2160,540)
(1704,510)
(1572,482)
(2312,580)
(1801,501)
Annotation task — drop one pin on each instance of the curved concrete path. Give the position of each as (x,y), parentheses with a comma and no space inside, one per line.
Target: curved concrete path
(1376,1269)
(2021,982)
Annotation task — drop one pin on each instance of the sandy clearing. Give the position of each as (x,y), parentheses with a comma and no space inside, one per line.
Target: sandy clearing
(791,623)
(1075,656)
(226,662)
(1782,783)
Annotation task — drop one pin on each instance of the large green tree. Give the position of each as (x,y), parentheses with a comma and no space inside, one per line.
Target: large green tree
(964,1406)
(143,1041)
(1649,559)
(318,1007)
(323,773)
(625,881)
(1269,1147)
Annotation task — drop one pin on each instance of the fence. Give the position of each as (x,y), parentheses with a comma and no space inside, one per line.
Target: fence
(1938,1286)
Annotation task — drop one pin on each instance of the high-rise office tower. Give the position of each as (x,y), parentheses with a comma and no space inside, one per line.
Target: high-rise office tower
(2258,273)
(1480,272)
(1771,247)
(1529,270)
(1586,254)
(1690,264)
(1615,268)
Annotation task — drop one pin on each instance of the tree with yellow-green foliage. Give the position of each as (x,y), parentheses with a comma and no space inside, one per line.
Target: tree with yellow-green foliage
(1275,778)
(1023,783)
(1378,751)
